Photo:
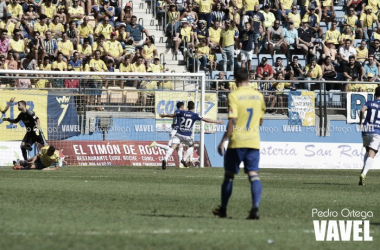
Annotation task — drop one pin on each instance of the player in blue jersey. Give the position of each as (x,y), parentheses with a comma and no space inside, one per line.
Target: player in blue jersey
(246,112)
(184,131)
(175,126)
(370,132)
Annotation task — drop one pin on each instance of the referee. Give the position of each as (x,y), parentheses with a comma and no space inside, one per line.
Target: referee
(32,123)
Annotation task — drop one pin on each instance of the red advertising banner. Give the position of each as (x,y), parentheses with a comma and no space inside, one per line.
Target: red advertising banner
(118,153)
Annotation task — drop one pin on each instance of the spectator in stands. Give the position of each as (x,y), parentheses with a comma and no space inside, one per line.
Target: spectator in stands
(183,35)
(45,65)
(85,51)
(252,77)
(95,82)
(129,50)
(137,67)
(15,10)
(28,63)
(345,52)
(351,20)
(214,35)
(358,6)
(48,9)
(126,65)
(234,14)
(218,14)
(278,67)
(353,70)
(73,34)
(291,38)
(268,91)
(375,51)
(269,18)
(3,9)
(220,85)
(354,87)
(85,30)
(372,86)
(156,67)
(190,15)
(366,22)
(314,20)
(174,20)
(264,67)
(312,72)
(61,12)
(4,41)
(275,42)
(371,68)
(202,53)
(205,7)
(125,15)
(328,12)
(227,41)
(375,35)
(328,72)
(23,83)
(362,52)
(286,6)
(25,27)
(166,85)
(258,26)
(66,47)
(30,15)
(148,85)
(57,83)
(246,41)
(113,49)
(333,34)
(17,45)
(76,13)
(41,26)
(280,86)
(294,16)
(305,37)
(76,64)
(100,12)
(104,28)
(135,31)
(122,36)
(329,50)
(149,51)
(201,32)
(56,28)
(347,34)
(59,63)
(71,82)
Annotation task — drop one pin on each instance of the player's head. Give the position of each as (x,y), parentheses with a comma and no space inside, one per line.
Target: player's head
(241,75)
(21,105)
(50,151)
(377,92)
(180,105)
(190,105)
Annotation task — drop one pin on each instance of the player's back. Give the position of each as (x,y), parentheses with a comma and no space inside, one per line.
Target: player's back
(188,118)
(248,107)
(372,119)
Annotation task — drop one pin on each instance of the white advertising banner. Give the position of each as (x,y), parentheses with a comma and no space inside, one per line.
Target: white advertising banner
(9,151)
(311,155)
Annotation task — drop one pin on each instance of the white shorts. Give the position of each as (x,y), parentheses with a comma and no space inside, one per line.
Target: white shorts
(274,45)
(244,54)
(171,135)
(372,141)
(187,140)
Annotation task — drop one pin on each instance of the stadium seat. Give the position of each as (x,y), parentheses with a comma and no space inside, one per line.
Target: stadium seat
(336,98)
(131,95)
(302,62)
(254,62)
(229,75)
(214,74)
(218,57)
(115,95)
(339,15)
(104,96)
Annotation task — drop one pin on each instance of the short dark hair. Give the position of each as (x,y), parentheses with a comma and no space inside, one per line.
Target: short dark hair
(16,30)
(295,57)
(134,17)
(51,149)
(351,57)
(190,105)
(376,40)
(22,102)
(180,104)
(377,92)
(86,40)
(46,58)
(241,75)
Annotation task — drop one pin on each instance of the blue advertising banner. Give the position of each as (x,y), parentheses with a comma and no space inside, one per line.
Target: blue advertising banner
(63,119)
(301,108)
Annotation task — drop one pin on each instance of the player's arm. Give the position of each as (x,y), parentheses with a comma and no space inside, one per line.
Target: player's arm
(8,106)
(227,134)
(13,120)
(212,121)
(362,111)
(170,115)
(56,167)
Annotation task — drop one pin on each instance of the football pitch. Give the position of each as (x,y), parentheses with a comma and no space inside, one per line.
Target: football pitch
(148,208)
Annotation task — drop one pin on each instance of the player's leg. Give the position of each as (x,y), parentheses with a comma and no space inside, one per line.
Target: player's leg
(175,141)
(371,147)
(180,154)
(26,145)
(232,161)
(251,167)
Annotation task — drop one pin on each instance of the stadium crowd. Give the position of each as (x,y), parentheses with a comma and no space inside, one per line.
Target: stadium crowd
(305,40)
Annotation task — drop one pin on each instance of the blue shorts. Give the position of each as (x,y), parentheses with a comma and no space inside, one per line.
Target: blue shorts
(39,164)
(234,156)
(256,37)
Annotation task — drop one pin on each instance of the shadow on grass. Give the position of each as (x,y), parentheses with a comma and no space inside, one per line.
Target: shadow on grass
(375,224)
(179,216)
(326,183)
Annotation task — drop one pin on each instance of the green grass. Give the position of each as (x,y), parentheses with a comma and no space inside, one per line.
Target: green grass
(147,208)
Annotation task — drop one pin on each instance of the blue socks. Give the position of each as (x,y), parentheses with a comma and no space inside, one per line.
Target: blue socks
(226,190)
(256,189)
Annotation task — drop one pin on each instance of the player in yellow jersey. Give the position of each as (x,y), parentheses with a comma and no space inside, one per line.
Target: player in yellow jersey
(47,159)
(246,112)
